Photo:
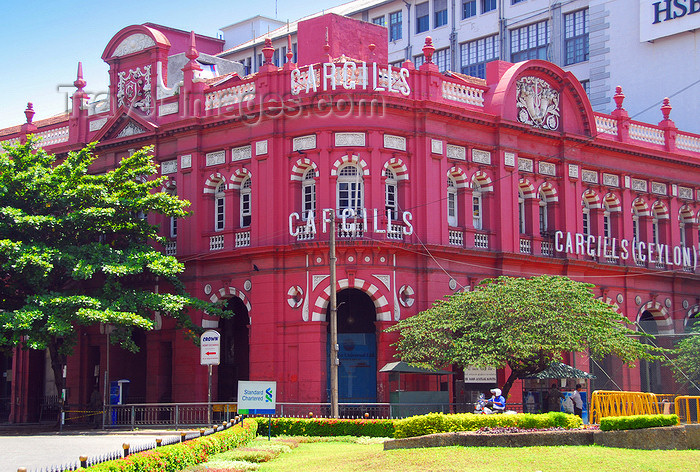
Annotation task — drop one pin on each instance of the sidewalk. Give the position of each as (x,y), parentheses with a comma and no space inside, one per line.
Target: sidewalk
(37,446)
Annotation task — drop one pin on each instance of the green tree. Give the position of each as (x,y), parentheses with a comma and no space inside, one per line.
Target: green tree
(524,324)
(76,250)
(685,361)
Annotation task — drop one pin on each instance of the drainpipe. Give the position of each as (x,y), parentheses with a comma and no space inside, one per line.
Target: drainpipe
(502,32)
(453,40)
(408,38)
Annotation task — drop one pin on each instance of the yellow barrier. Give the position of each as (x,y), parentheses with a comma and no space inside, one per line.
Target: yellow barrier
(225,408)
(687,408)
(614,403)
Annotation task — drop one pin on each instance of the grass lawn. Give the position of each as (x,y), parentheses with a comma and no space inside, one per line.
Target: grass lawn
(368,455)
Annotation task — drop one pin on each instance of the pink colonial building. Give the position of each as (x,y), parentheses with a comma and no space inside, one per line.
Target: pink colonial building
(437,181)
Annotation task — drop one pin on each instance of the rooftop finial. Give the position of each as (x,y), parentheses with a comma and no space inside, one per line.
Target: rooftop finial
(619,97)
(29,112)
(666,108)
(290,54)
(192,52)
(327,47)
(268,50)
(79,81)
(428,50)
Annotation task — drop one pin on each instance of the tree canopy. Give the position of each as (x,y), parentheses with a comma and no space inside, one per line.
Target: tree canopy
(524,324)
(77,250)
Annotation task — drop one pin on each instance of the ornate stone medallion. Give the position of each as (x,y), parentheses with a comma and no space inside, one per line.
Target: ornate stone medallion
(538,103)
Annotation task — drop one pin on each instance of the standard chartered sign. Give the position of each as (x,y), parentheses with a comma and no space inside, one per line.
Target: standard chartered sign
(257,397)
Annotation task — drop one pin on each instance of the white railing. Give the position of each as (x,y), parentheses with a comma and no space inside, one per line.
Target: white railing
(395,232)
(243,239)
(462,93)
(456,238)
(53,136)
(229,95)
(525,246)
(647,134)
(216,242)
(547,248)
(640,263)
(687,142)
(303,234)
(606,125)
(171,248)
(11,142)
(481,240)
(352,230)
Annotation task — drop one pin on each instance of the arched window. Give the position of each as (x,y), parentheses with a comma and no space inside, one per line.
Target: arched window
(350,189)
(685,221)
(391,194)
(544,219)
(451,202)
(586,218)
(477,207)
(245,203)
(219,207)
(640,209)
(308,193)
(659,214)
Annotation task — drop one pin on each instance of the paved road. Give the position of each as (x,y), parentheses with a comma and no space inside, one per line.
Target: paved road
(42,450)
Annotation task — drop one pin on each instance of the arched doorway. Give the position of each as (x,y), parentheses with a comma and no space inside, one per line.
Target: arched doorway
(234,364)
(649,372)
(357,340)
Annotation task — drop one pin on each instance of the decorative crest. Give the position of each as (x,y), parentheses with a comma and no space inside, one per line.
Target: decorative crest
(538,103)
(428,50)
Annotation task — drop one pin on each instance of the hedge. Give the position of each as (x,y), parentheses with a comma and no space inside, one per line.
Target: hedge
(327,427)
(442,423)
(176,457)
(613,423)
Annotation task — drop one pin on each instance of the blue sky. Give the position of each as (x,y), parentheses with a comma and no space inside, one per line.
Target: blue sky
(42,41)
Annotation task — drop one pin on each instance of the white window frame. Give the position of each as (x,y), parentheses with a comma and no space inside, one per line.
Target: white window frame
(391,194)
(308,193)
(350,188)
(246,203)
(522,218)
(477,208)
(220,207)
(543,215)
(452,203)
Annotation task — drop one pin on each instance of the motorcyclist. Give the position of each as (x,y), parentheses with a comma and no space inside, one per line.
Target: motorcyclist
(497,402)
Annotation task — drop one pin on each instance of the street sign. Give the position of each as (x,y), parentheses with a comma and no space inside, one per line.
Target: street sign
(210,348)
(257,398)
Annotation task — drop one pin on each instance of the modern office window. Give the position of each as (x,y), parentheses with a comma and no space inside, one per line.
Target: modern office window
(440,7)
(294,51)
(308,193)
(514,2)
(380,20)
(576,36)
(276,57)
(442,59)
(475,54)
(488,5)
(529,42)
(422,17)
(418,60)
(586,84)
(246,212)
(219,207)
(468,9)
(451,202)
(395,28)
(350,189)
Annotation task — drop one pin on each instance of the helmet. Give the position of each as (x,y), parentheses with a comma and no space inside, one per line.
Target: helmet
(496,391)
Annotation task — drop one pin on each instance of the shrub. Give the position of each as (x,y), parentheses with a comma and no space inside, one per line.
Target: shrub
(176,457)
(327,427)
(613,423)
(442,423)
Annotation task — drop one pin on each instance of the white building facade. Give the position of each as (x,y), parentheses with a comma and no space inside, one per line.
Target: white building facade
(649,47)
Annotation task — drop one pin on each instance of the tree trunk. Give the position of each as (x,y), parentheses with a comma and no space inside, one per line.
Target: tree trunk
(58,360)
(509,383)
